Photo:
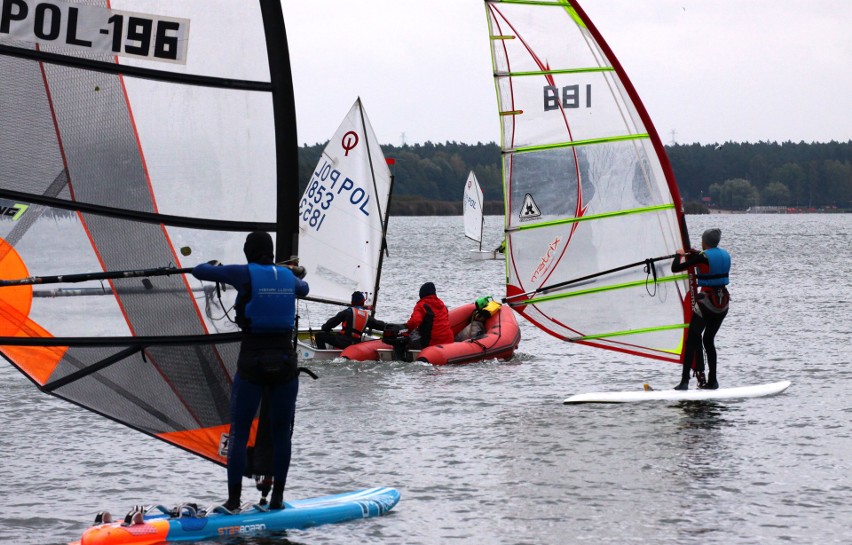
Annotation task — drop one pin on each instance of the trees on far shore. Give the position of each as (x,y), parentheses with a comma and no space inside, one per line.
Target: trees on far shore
(734,176)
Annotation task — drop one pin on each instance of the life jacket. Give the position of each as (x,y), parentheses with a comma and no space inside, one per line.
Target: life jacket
(271,304)
(360,317)
(716,274)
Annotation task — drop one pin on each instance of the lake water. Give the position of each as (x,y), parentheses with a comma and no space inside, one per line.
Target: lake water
(487,453)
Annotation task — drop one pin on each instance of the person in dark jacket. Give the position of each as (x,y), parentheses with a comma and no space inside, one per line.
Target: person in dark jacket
(266,310)
(711,306)
(429,323)
(353,320)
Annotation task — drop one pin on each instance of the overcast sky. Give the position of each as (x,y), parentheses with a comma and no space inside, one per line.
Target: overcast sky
(707,70)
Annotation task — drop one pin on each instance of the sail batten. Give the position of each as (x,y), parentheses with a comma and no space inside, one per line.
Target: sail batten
(575,143)
(599,289)
(591,203)
(554,71)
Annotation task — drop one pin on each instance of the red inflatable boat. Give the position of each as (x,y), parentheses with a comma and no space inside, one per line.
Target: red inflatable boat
(501,338)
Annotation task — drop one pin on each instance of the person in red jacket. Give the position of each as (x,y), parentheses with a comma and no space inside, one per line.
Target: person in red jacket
(430,320)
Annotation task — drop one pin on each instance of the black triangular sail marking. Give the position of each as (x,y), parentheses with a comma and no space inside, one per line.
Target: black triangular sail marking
(529,209)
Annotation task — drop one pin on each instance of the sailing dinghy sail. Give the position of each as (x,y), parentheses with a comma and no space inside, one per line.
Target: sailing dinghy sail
(593,213)
(343,219)
(137,128)
(474,219)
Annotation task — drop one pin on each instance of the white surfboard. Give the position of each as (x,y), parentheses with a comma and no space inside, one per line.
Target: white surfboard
(760,390)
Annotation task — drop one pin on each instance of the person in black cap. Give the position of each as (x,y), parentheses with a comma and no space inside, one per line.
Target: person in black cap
(355,321)
(712,266)
(266,365)
(430,320)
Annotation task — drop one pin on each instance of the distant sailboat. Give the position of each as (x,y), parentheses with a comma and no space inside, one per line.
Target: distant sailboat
(474,218)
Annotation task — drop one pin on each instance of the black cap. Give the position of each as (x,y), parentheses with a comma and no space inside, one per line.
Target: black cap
(358,298)
(427,289)
(258,248)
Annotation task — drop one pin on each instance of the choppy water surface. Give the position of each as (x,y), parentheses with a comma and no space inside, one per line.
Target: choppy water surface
(486,453)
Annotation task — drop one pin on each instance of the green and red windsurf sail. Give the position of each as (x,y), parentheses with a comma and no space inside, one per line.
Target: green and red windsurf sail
(593,213)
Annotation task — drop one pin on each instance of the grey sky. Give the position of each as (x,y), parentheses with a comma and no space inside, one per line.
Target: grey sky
(706,70)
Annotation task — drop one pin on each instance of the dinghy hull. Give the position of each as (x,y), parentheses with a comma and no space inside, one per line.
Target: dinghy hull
(500,342)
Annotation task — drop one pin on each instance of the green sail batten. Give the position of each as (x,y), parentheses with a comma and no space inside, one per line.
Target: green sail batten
(622,286)
(588,142)
(604,215)
(576,17)
(633,332)
(556,71)
(556,4)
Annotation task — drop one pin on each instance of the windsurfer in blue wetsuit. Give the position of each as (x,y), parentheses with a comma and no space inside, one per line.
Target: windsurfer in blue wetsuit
(266,311)
(711,306)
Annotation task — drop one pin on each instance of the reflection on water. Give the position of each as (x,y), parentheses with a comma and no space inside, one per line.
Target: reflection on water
(704,442)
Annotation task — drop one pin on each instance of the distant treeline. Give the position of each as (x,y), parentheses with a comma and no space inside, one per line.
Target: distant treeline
(429,177)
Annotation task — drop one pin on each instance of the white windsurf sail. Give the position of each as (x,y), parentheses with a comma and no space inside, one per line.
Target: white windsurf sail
(129,129)
(343,213)
(593,214)
(472,204)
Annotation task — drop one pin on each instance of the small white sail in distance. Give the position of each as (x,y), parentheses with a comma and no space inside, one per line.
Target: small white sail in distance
(472,205)
(343,212)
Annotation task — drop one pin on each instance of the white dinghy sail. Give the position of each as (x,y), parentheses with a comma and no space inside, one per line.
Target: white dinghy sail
(343,219)
(593,212)
(474,218)
(124,138)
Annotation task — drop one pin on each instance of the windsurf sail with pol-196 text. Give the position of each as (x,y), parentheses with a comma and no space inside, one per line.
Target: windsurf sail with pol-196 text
(129,130)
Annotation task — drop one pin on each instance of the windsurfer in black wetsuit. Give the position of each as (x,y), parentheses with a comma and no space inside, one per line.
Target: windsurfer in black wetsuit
(266,309)
(711,306)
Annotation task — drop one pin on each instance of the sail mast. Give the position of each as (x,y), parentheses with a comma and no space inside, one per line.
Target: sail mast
(286,141)
(382,214)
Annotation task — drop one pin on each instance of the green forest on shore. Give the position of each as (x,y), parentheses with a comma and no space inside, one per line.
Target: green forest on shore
(787,176)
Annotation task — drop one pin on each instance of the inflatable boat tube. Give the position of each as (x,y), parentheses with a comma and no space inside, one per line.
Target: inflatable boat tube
(501,339)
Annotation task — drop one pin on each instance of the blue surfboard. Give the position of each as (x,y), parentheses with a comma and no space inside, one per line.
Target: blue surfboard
(157,524)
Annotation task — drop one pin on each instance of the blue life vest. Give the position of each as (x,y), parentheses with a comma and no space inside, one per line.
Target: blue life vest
(272,305)
(720,266)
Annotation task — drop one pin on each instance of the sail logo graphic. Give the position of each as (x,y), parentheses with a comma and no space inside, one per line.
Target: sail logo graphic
(350,140)
(571,97)
(545,260)
(529,210)
(242,529)
(223,445)
(95,29)
(15,211)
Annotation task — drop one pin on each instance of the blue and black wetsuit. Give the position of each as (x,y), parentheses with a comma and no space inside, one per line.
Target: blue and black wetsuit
(266,308)
(711,307)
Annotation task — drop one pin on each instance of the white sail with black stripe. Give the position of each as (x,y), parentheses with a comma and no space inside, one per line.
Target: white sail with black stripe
(130,129)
